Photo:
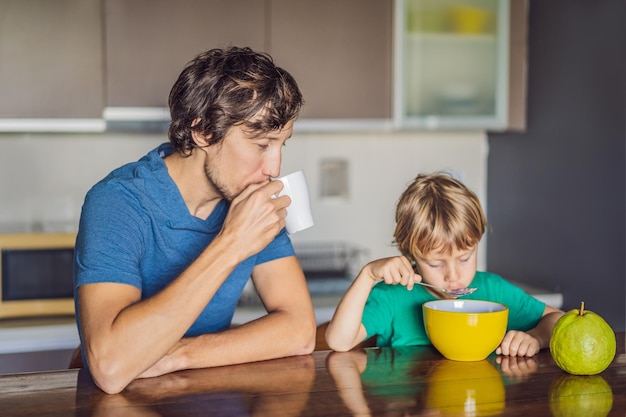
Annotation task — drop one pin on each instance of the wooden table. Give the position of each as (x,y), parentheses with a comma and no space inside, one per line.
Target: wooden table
(379,382)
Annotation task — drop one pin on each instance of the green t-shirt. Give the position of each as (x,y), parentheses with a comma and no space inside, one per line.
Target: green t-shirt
(395,316)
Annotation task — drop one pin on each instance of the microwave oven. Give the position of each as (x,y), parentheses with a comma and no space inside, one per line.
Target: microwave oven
(36,274)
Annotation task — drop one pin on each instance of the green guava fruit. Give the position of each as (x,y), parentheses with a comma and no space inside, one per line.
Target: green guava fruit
(580,396)
(582,343)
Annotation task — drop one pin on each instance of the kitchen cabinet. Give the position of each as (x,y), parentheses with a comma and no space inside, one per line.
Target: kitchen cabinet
(340,53)
(453,63)
(51,73)
(361,64)
(148,42)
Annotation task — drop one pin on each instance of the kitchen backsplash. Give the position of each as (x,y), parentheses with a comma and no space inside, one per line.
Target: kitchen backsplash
(45,177)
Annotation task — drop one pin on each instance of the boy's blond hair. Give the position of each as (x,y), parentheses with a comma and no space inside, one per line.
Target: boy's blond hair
(437,212)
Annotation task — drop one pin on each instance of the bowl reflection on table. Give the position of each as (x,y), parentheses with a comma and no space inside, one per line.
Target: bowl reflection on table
(465,330)
(465,389)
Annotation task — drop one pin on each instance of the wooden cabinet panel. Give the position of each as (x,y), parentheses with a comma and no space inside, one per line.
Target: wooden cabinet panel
(339,52)
(148,42)
(50,59)
(518,65)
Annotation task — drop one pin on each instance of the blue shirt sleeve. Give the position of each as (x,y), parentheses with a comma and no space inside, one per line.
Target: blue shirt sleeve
(109,244)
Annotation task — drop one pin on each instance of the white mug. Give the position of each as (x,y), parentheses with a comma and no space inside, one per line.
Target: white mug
(299,215)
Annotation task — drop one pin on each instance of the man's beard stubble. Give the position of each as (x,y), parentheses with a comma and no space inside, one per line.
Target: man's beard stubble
(217,184)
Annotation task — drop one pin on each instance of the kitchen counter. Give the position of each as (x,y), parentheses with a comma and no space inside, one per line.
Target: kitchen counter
(325,304)
(551,298)
(58,333)
(370,381)
(38,334)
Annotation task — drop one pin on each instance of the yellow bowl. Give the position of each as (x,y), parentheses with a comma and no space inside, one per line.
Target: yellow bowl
(465,330)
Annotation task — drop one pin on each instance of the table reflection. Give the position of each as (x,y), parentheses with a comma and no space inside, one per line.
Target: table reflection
(404,381)
(417,381)
(578,395)
(268,388)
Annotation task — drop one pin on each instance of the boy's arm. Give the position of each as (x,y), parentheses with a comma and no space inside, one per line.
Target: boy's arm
(345,329)
(518,343)
(543,330)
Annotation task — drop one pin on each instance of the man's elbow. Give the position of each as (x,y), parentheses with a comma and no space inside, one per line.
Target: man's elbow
(110,386)
(300,335)
(307,342)
(108,375)
(109,383)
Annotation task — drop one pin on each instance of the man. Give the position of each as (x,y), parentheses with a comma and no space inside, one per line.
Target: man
(166,244)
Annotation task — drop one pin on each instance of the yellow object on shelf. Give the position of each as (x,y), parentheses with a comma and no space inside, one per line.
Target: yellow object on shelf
(470,20)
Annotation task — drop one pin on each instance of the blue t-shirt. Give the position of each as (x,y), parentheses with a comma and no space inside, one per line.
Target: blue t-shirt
(395,315)
(136,229)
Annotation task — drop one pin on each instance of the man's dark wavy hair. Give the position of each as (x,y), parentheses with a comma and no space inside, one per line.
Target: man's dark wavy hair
(222,88)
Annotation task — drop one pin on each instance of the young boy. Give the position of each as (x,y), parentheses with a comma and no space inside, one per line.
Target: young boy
(439,223)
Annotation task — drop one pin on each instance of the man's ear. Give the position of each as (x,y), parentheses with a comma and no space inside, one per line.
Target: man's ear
(201,140)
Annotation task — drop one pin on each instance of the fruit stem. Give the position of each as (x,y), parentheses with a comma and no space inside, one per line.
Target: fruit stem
(582,308)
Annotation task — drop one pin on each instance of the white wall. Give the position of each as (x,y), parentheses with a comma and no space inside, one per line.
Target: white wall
(44,177)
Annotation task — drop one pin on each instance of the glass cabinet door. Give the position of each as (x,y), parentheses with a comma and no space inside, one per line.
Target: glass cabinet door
(451,64)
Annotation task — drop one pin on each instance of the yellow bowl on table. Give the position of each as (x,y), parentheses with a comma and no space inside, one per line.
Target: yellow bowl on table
(465,330)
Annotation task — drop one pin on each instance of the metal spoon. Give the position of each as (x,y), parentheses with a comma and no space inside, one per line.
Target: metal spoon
(457,292)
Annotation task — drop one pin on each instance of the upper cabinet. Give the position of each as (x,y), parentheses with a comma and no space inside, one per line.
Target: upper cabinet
(452,64)
(361,64)
(148,43)
(340,53)
(51,58)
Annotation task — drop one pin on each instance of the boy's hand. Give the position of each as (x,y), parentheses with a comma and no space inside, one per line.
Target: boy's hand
(395,270)
(517,343)
(517,367)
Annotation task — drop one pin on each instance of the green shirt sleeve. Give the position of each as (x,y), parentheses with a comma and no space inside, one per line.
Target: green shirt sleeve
(394,314)
(377,314)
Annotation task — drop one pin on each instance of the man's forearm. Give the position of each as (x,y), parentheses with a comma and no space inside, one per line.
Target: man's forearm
(278,334)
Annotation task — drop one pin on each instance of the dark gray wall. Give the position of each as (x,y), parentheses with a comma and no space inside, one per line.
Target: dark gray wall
(557,192)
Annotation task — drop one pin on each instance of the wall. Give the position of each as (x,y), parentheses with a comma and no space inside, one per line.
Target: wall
(45,177)
(556,192)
